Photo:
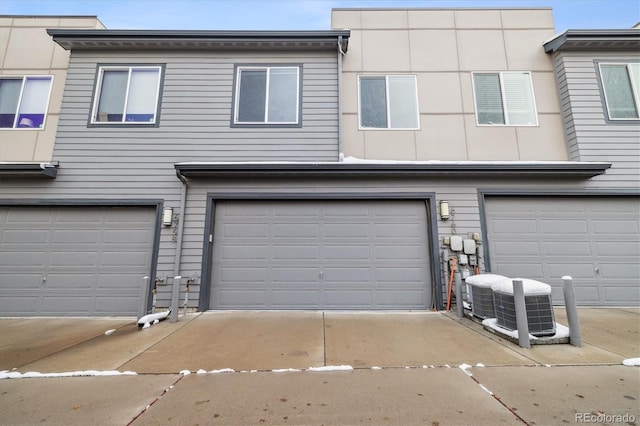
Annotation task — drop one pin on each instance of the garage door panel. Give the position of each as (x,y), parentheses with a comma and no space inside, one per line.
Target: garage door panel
(25,237)
(17,304)
(76,237)
(618,248)
(352,276)
(575,270)
(398,252)
(73,258)
(246,230)
(124,258)
(568,248)
(346,230)
(619,271)
(620,228)
(347,253)
(518,248)
(515,226)
(623,294)
(24,280)
(21,258)
(67,304)
(523,270)
(596,240)
(297,251)
(286,274)
(67,280)
(64,259)
(569,226)
(319,254)
(230,299)
(241,274)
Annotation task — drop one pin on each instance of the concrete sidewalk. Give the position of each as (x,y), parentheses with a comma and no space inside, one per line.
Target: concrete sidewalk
(404,368)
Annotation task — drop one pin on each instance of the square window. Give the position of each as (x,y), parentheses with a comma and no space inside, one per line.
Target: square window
(267,95)
(126,95)
(388,102)
(621,84)
(24,101)
(504,98)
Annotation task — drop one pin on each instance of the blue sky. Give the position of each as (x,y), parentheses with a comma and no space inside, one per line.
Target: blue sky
(300,14)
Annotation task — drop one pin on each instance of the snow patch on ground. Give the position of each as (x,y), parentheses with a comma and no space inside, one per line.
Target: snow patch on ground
(34,374)
(562,331)
(286,370)
(185,372)
(222,370)
(376,368)
(108,332)
(484,388)
(332,368)
(480,365)
(631,362)
(465,368)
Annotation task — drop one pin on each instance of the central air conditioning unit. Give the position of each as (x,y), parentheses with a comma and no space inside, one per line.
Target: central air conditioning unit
(480,294)
(537,299)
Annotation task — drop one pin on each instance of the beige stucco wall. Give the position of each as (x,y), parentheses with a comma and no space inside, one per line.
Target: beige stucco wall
(27,49)
(442,47)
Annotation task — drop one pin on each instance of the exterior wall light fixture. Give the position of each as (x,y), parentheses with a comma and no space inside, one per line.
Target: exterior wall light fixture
(444,210)
(167,216)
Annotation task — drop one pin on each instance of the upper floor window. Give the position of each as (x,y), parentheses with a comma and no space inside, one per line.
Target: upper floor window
(504,98)
(388,102)
(24,101)
(621,83)
(267,95)
(126,95)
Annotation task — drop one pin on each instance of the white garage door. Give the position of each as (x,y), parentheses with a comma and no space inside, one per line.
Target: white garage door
(73,260)
(320,255)
(596,240)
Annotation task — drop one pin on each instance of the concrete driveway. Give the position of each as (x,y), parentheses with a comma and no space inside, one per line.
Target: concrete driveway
(267,341)
(314,368)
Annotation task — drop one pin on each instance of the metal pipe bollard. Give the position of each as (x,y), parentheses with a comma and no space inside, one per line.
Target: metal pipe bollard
(143,300)
(459,302)
(175,296)
(575,338)
(521,314)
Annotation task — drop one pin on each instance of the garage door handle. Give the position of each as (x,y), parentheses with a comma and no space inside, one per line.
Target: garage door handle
(597,270)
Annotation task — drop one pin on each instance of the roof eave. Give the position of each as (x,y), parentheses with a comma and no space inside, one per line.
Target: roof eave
(469,169)
(79,39)
(29,170)
(617,39)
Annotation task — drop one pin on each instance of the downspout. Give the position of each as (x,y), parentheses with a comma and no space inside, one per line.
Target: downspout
(340,55)
(183,202)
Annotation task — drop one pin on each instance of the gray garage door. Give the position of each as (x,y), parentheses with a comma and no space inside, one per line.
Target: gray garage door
(595,240)
(73,260)
(320,255)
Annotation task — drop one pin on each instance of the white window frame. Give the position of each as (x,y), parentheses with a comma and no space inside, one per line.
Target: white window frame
(16,124)
(267,69)
(504,100)
(129,69)
(634,89)
(388,105)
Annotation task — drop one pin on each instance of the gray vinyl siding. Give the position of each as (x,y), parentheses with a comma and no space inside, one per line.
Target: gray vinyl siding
(196,109)
(590,135)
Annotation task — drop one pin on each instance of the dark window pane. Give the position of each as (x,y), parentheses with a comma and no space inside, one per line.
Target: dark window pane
(9,95)
(618,91)
(488,98)
(143,94)
(373,102)
(283,95)
(251,96)
(112,95)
